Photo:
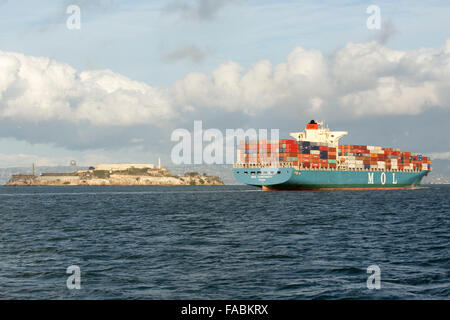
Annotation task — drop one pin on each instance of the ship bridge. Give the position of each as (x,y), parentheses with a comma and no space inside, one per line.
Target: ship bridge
(317,132)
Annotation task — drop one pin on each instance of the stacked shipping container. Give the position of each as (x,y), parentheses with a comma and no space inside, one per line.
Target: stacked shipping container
(309,154)
(374,157)
(264,150)
(316,155)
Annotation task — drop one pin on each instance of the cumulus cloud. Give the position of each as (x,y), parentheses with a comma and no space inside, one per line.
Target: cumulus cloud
(39,89)
(358,80)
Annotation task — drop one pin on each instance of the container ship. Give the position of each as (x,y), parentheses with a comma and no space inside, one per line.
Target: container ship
(316,161)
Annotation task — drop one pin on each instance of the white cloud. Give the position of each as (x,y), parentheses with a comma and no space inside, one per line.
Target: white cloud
(39,89)
(359,79)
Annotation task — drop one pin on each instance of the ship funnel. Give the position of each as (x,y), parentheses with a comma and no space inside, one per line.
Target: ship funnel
(312,125)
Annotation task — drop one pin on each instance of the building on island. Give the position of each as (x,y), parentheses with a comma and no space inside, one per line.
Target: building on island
(123,166)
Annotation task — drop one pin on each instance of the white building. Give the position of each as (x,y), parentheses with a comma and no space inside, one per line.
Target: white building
(123,166)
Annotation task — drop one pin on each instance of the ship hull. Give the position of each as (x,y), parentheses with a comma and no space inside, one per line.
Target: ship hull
(293,179)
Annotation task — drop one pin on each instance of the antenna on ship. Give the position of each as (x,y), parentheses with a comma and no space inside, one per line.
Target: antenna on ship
(320,124)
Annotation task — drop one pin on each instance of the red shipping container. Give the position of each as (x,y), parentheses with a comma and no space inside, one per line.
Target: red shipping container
(305,157)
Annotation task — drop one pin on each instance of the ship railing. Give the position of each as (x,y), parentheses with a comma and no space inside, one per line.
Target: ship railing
(281,164)
(287,164)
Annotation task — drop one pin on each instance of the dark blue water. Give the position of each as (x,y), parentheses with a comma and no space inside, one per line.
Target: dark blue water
(223,243)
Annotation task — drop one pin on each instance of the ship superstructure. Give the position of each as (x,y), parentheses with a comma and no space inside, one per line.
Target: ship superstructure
(316,132)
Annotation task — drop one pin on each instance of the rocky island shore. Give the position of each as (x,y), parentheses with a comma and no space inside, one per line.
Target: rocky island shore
(119,176)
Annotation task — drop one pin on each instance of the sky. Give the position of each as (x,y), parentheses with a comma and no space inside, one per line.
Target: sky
(116,88)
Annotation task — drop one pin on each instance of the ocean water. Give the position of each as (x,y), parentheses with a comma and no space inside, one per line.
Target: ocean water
(224,242)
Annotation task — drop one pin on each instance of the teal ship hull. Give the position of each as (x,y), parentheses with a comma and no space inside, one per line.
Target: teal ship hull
(310,179)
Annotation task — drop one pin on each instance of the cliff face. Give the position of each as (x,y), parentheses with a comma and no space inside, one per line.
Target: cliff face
(149,177)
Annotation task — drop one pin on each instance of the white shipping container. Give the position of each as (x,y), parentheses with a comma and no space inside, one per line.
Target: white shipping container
(315,151)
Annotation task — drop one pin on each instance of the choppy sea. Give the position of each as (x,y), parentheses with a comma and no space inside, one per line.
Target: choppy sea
(223,242)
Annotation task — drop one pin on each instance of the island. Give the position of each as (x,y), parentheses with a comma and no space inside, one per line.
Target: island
(116,175)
